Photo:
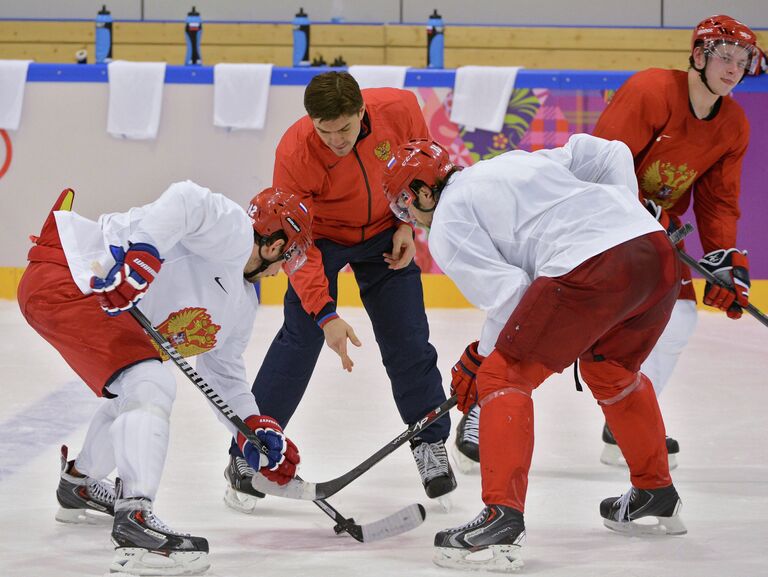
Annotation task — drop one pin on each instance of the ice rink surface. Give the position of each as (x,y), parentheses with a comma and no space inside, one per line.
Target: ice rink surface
(715,406)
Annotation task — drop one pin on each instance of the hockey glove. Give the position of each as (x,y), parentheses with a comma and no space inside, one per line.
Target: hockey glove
(464,377)
(732,268)
(278,464)
(128,280)
(661,215)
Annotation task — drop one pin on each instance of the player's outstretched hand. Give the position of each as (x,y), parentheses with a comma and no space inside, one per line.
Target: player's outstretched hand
(337,332)
(464,377)
(127,281)
(732,267)
(278,464)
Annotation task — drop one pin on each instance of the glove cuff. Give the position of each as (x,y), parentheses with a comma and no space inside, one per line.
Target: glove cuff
(473,355)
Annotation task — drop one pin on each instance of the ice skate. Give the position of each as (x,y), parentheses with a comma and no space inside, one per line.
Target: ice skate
(644,512)
(144,545)
(611,454)
(435,470)
(240,494)
(82,499)
(490,542)
(466,448)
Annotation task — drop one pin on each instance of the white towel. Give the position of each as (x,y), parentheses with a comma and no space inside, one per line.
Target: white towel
(13,79)
(481,96)
(379,76)
(241,95)
(135,98)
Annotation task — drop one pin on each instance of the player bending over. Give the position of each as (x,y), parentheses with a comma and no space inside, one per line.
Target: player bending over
(568,265)
(200,252)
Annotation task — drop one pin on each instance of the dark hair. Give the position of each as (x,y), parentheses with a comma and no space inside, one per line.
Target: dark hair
(332,95)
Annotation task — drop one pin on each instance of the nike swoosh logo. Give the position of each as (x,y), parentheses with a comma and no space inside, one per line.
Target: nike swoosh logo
(218,282)
(684,282)
(658,139)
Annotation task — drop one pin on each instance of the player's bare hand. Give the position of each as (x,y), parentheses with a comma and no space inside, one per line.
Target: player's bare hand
(403,248)
(337,332)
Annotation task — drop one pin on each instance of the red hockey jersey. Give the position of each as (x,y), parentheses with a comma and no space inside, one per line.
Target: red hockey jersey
(678,156)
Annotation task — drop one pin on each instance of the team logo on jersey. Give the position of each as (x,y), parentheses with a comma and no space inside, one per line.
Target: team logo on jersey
(665,183)
(383,150)
(190,331)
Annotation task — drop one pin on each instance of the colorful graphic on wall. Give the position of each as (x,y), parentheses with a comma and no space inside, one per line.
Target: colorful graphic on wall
(6,153)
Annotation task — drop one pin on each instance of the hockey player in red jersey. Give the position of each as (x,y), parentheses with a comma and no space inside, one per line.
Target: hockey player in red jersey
(688,138)
(191,258)
(554,246)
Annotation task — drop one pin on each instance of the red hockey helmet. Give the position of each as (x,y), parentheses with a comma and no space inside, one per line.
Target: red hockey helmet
(713,32)
(276,214)
(414,163)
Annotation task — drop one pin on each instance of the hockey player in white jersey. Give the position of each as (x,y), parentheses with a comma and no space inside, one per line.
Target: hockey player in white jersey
(568,265)
(193,255)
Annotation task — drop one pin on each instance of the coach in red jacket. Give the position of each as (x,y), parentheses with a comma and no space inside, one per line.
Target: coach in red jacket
(334,159)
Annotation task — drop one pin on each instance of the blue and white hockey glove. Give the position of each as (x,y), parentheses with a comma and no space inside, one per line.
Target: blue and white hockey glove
(278,464)
(127,281)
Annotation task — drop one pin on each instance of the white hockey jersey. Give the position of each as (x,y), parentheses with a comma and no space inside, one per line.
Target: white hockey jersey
(502,223)
(200,299)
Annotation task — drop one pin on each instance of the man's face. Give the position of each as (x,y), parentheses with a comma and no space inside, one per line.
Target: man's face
(339,134)
(726,65)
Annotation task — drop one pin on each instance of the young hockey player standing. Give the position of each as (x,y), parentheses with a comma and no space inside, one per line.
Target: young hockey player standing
(688,138)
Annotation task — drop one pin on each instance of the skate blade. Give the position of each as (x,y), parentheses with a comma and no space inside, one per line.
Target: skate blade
(494,558)
(672,457)
(242,502)
(613,457)
(82,517)
(463,463)
(651,526)
(137,561)
(445,502)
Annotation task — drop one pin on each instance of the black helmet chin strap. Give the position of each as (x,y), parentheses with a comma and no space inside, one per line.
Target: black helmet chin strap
(265,262)
(703,72)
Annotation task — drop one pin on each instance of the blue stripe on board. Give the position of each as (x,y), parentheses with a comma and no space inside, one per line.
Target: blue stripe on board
(414,78)
(47,422)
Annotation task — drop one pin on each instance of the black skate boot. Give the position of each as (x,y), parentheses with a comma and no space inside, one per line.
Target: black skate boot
(623,513)
(80,497)
(435,470)
(490,542)
(611,454)
(144,545)
(240,494)
(466,448)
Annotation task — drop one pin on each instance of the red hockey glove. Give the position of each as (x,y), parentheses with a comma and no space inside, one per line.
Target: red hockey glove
(732,267)
(127,281)
(464,377)
(279,463)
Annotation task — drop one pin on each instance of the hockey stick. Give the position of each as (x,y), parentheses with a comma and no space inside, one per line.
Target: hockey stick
(324,490)
(695,265)
(404,520)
